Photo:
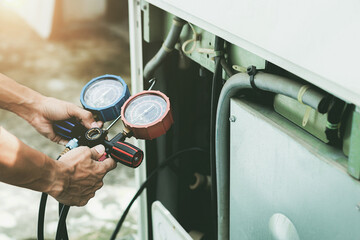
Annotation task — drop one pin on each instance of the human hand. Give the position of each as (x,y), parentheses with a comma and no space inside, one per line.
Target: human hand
(52,109)
(40,111)
(80,175)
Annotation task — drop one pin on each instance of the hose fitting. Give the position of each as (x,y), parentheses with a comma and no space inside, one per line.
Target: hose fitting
(73,143)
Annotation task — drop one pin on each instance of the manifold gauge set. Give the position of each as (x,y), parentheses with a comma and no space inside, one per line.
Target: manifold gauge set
(146,115)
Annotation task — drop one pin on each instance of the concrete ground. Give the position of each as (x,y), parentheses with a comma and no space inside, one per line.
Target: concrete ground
(60,68)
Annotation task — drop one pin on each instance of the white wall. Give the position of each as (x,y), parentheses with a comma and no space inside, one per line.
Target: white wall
(37,13)
(83,9)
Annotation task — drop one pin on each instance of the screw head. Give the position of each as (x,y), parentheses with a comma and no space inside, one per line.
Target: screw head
(232,118)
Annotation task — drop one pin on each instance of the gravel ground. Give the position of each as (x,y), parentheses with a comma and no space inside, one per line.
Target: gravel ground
(60,68)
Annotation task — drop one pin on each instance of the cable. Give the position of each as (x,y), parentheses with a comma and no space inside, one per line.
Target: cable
(62,222)
(191,40)
(145,184)
(64,235)
(41,214)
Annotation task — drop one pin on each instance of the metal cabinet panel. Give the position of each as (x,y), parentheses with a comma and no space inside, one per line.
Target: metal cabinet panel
(277,168)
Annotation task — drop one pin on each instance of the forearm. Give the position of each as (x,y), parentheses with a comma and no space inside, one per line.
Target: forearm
(19,99)
(25,167)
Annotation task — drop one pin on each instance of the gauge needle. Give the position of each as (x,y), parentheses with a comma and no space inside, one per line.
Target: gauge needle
(103,95)
(143,113)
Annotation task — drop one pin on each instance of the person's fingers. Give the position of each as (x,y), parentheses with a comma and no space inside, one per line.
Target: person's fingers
(97,151)
(94,188)
(80,201)
(97,124)
(84,116)
(86,199)
(58,139)
(63,142)
(99,185)
(108,164)
(100,124)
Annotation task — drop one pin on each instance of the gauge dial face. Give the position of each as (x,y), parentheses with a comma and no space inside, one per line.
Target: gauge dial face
(145,109)
(103,93)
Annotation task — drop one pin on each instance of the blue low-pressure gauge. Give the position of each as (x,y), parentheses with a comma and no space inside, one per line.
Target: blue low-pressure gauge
(104,96)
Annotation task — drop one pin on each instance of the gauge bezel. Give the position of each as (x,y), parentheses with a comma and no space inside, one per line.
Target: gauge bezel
(109,112)
(154,129)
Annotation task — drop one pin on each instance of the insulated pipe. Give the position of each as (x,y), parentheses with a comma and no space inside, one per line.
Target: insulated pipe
(226,67)
(165,49)
(264,81)
(313,96)
(215,92)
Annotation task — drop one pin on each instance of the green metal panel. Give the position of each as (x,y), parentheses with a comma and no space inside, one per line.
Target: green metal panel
(295,111)
(244,58)
(158,23)
(237,56)
(206,41)
(354,148)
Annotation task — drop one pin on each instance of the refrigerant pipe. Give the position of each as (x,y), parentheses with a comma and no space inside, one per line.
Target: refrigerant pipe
(165,49)
(313,97)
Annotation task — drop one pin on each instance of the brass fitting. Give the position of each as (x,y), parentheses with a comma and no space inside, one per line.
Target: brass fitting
(65,151)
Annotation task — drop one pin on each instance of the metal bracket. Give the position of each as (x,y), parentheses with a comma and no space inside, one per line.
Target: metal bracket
(354,149)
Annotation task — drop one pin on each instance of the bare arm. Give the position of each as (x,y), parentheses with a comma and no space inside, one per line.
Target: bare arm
(72,180)
(40,111)
(23,166)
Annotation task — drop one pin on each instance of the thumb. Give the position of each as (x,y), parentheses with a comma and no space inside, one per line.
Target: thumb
(83,115)
(97,151)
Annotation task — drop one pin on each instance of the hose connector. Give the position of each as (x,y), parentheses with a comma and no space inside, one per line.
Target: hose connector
(73,143)
(64,152)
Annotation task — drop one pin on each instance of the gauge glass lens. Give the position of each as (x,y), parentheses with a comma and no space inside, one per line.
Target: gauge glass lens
(103,93)
(145,109)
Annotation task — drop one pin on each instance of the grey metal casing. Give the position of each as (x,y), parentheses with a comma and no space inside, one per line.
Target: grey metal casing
(275,167)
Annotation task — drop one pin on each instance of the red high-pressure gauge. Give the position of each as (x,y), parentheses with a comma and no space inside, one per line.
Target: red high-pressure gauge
(147,114)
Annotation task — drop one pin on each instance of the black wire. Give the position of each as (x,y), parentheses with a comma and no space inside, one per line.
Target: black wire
(215,92)
(145,184)
(41,214)
(62,222)
(64,233)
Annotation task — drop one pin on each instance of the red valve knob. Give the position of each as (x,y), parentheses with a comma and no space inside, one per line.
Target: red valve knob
(103,157)
(127,154)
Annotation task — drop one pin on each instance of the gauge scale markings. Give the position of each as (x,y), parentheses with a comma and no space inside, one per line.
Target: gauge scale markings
(147,114)
(104,96)
(145,109)
(103,92)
